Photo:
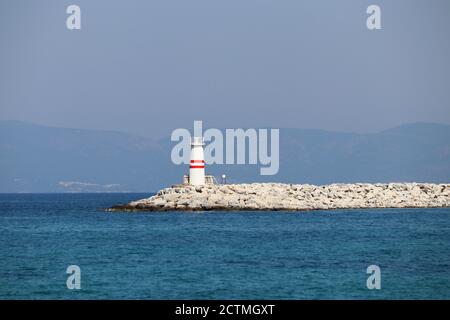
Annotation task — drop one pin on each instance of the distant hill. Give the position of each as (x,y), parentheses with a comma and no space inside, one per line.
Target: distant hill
(36,158)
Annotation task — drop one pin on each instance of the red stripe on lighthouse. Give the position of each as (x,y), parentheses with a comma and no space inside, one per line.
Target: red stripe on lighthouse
(197,167)
(197,161)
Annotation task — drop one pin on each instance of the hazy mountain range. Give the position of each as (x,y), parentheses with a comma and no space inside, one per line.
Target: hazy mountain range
(35,158)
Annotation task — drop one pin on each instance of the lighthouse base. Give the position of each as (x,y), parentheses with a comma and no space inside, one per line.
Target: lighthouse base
(208,179)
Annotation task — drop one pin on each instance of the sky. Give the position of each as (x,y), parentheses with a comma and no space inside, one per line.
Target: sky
(148,67)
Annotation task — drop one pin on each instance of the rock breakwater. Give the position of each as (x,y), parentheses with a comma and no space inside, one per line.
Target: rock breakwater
(293,197)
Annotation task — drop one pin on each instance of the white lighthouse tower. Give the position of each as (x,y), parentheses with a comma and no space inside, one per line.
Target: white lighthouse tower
(197,165)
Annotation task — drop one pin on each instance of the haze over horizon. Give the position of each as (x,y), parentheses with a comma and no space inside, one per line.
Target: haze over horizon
(205,127)
(48,159)
(148,67)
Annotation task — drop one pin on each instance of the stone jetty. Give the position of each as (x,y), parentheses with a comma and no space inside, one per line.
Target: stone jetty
(293,197)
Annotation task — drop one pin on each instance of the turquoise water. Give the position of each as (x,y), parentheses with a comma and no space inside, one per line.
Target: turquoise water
(221,255)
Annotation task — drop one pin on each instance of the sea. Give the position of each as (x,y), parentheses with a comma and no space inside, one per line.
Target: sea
(217,255)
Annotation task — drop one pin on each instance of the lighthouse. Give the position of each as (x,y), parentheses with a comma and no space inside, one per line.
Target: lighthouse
(197,165)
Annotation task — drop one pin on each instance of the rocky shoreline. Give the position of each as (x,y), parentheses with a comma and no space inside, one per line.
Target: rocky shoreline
(293,197)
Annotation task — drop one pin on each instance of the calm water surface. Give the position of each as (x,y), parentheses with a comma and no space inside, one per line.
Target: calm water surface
(220,255)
